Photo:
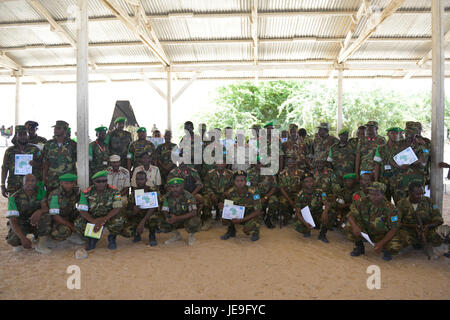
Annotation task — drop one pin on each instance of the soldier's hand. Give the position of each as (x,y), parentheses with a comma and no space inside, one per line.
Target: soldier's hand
(404,167)
(236,221)
(324,218)
(443,165)
(136,210)
(26,243)
(31,163)
(378,247)
(220,205)
(34,220)
(4,192)
(140,228)
(356,231)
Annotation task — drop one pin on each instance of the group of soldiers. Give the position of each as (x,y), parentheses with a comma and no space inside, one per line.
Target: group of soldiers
(348,185)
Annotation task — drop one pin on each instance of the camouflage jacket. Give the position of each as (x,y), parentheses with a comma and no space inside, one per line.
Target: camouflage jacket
(322,146)
(326,181)
(37,141)
(387,154)
(348,194)
(99,205)
(376,221)
(416,172)
(61,160)
(137,148)
(343,159)
(179,206)
(427,211)
(67,203)
(217,183)
(163,154)
(250,199)
(132,201)
(25,206)
(9,163)
(262,183)
(98,157)
(290,181)
(190,175)
(314,200)
(118,143)
(366,149)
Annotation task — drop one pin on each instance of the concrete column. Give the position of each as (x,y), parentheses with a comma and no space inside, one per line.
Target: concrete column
(169,99)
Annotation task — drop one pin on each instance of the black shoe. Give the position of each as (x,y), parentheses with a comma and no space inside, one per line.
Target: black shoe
(158,230)
(231,232)
(358,250)
(307,235)
(387,256)
(112,242)
(137,238)
(417,246)
(255,236)
(152,239)
(269,224)
(447,255)
(323,235)
(91,244)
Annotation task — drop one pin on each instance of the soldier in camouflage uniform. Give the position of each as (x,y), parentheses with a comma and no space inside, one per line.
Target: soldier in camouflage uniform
(266,186)
(62,208)
(379,219)
(323,141)
(163,155)
(427,143)
(290,185)
(139,147)
(217,181)
(344,198)
(248,197)
(22,146)
(179,209)
(265,149)
(188,143)
(119,140)
(342,156)
(60,156)
(305,151)
(365,151)
(360,134)
(316,200)
(326,180)
(138,218)
(413,208)
(98,152)
(33,138)
(27,213)
(100,205)
(290,147)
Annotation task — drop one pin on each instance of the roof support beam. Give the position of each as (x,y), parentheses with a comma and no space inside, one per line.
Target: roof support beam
(154,86)
(254,30)
(371,27)
(8,63)
(186,85)
(140,25)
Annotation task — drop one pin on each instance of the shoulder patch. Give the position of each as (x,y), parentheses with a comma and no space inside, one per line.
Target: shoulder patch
(112,187)
(256,197)
(87,190)
(394,218)
(435,206)
(356,197)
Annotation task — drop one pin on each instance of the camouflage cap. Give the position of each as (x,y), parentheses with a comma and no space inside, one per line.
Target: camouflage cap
(61,123)
(31,123)
(409,124)
(20,128)
(372,123)
(324,125)
(411,130)
(378,186)
(292,126)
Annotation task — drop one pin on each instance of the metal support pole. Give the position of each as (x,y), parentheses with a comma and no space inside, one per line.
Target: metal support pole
(17,107)
(339,99)
(437,124)
(169,99)
(82,96)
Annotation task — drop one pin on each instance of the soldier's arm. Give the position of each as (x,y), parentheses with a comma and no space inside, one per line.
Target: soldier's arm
(60,220)
(285,194)
(393,225)
(18,231)
(436,218)
(198,184)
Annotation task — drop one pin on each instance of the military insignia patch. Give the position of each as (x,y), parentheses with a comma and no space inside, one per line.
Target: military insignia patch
(394,218)
(256,197)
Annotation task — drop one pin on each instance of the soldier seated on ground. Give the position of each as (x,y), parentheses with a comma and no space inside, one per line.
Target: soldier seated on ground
(100,205)
(28,214)
(248,197)
(180,210)
(138,218)
(378,218)
(419,219)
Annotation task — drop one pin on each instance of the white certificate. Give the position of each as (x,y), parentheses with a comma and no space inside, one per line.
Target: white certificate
(366,236)
(407,156)
(146,200)
(156,141)
(307,216)
(233,212)
(22,166)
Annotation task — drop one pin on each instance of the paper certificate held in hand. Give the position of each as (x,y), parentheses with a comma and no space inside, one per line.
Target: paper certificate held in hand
(22,164)
(146,200)
(89,231)
(407,156)
(231,211)
(366,236)
(156,141)
(307,216)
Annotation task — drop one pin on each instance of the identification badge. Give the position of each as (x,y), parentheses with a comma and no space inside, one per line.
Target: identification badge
(387,167)
(105,163)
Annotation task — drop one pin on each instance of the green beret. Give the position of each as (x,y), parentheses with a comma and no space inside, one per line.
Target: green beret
(101,129)
(99,174)
(350,176)
(120,119)
(268,124)
(175,181)
(344,130)
(395,129)
(141,129)
(20,128)
(378,186)
(68,177)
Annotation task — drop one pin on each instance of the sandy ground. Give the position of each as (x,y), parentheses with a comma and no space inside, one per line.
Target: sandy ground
(281,265)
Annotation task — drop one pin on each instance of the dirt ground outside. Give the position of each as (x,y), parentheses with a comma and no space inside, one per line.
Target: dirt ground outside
(281,265)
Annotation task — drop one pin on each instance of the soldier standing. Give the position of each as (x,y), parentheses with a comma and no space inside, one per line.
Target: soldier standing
(98,152)
(138,147)
(119,140)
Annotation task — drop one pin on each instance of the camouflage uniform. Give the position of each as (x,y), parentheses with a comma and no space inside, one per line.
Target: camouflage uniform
(191,181)
(290,182)
(343,160)
(327,182)
(427,212)
(263,184)
(14,182)
(389,173)
(132,220)
(216,183)
(376,222)
(316,205)
(99,206)
(25,209)
(118,142)
(180,206)
(366,149)
(322,146)
(348,196)
(37,141)
(98,157)
(137,148)
(67,210)
(163,153)
(251,201)
(61,160)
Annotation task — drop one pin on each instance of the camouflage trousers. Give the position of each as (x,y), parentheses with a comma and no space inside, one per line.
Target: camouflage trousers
(12,188)
(410,237)
(249,226)
(60,232)
(285,208)
(271,206)
(393,246)
(131,223)
(302,228)
(43,229)
(114,225)
(191,225)
(391,186)
(401,184)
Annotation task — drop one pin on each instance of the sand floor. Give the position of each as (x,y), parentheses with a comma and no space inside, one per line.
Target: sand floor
(281,265)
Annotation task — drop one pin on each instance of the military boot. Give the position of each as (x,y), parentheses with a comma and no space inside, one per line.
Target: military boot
(323,235)
(137,238)
(112,242)
(307,234)
(231,232)
(387,256)
(152,238)
(91,244)
(42,245)
(191,239)
(358,250)
(255,236)
(175,237)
